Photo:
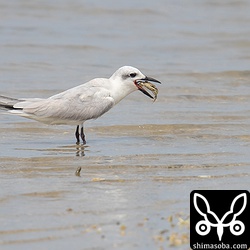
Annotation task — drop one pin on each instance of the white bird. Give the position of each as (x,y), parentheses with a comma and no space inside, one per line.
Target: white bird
(81,103)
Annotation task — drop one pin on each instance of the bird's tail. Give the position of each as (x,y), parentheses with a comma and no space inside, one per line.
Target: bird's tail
(7,103)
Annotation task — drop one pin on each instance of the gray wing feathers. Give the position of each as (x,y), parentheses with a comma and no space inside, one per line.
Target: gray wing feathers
(58,110)
(78,104)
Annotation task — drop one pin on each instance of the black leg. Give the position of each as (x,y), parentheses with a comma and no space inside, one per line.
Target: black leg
(77,135)
(83,136)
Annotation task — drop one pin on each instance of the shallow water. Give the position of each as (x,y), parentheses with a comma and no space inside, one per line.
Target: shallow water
(142,159)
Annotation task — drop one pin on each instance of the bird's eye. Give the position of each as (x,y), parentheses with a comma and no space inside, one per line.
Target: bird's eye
(132,75)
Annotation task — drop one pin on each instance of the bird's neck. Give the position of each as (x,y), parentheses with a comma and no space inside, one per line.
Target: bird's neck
(118,93)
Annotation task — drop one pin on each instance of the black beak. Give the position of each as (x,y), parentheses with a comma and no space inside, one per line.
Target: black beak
(149,79)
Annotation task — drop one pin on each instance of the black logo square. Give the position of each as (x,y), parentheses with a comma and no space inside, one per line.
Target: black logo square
(219,219)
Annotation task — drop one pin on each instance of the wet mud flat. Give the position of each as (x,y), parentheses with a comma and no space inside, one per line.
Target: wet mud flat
(136,175)
(127,194)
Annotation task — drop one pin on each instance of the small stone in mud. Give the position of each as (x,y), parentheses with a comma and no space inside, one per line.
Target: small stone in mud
(78,171)
(123,230)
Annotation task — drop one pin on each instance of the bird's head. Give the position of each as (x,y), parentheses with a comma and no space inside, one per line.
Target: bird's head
(134,79)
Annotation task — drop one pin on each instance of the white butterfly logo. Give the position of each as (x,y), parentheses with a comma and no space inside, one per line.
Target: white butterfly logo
(203,227)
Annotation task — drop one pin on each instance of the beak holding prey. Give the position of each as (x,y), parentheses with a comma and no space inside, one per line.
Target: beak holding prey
(141,84)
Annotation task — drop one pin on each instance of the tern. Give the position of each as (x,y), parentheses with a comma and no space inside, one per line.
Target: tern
(81,103)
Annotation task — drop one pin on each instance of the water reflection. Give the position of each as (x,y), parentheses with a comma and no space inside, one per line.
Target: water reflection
(80,150)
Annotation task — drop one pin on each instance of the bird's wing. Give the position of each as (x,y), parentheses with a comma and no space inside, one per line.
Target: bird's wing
(74,105)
